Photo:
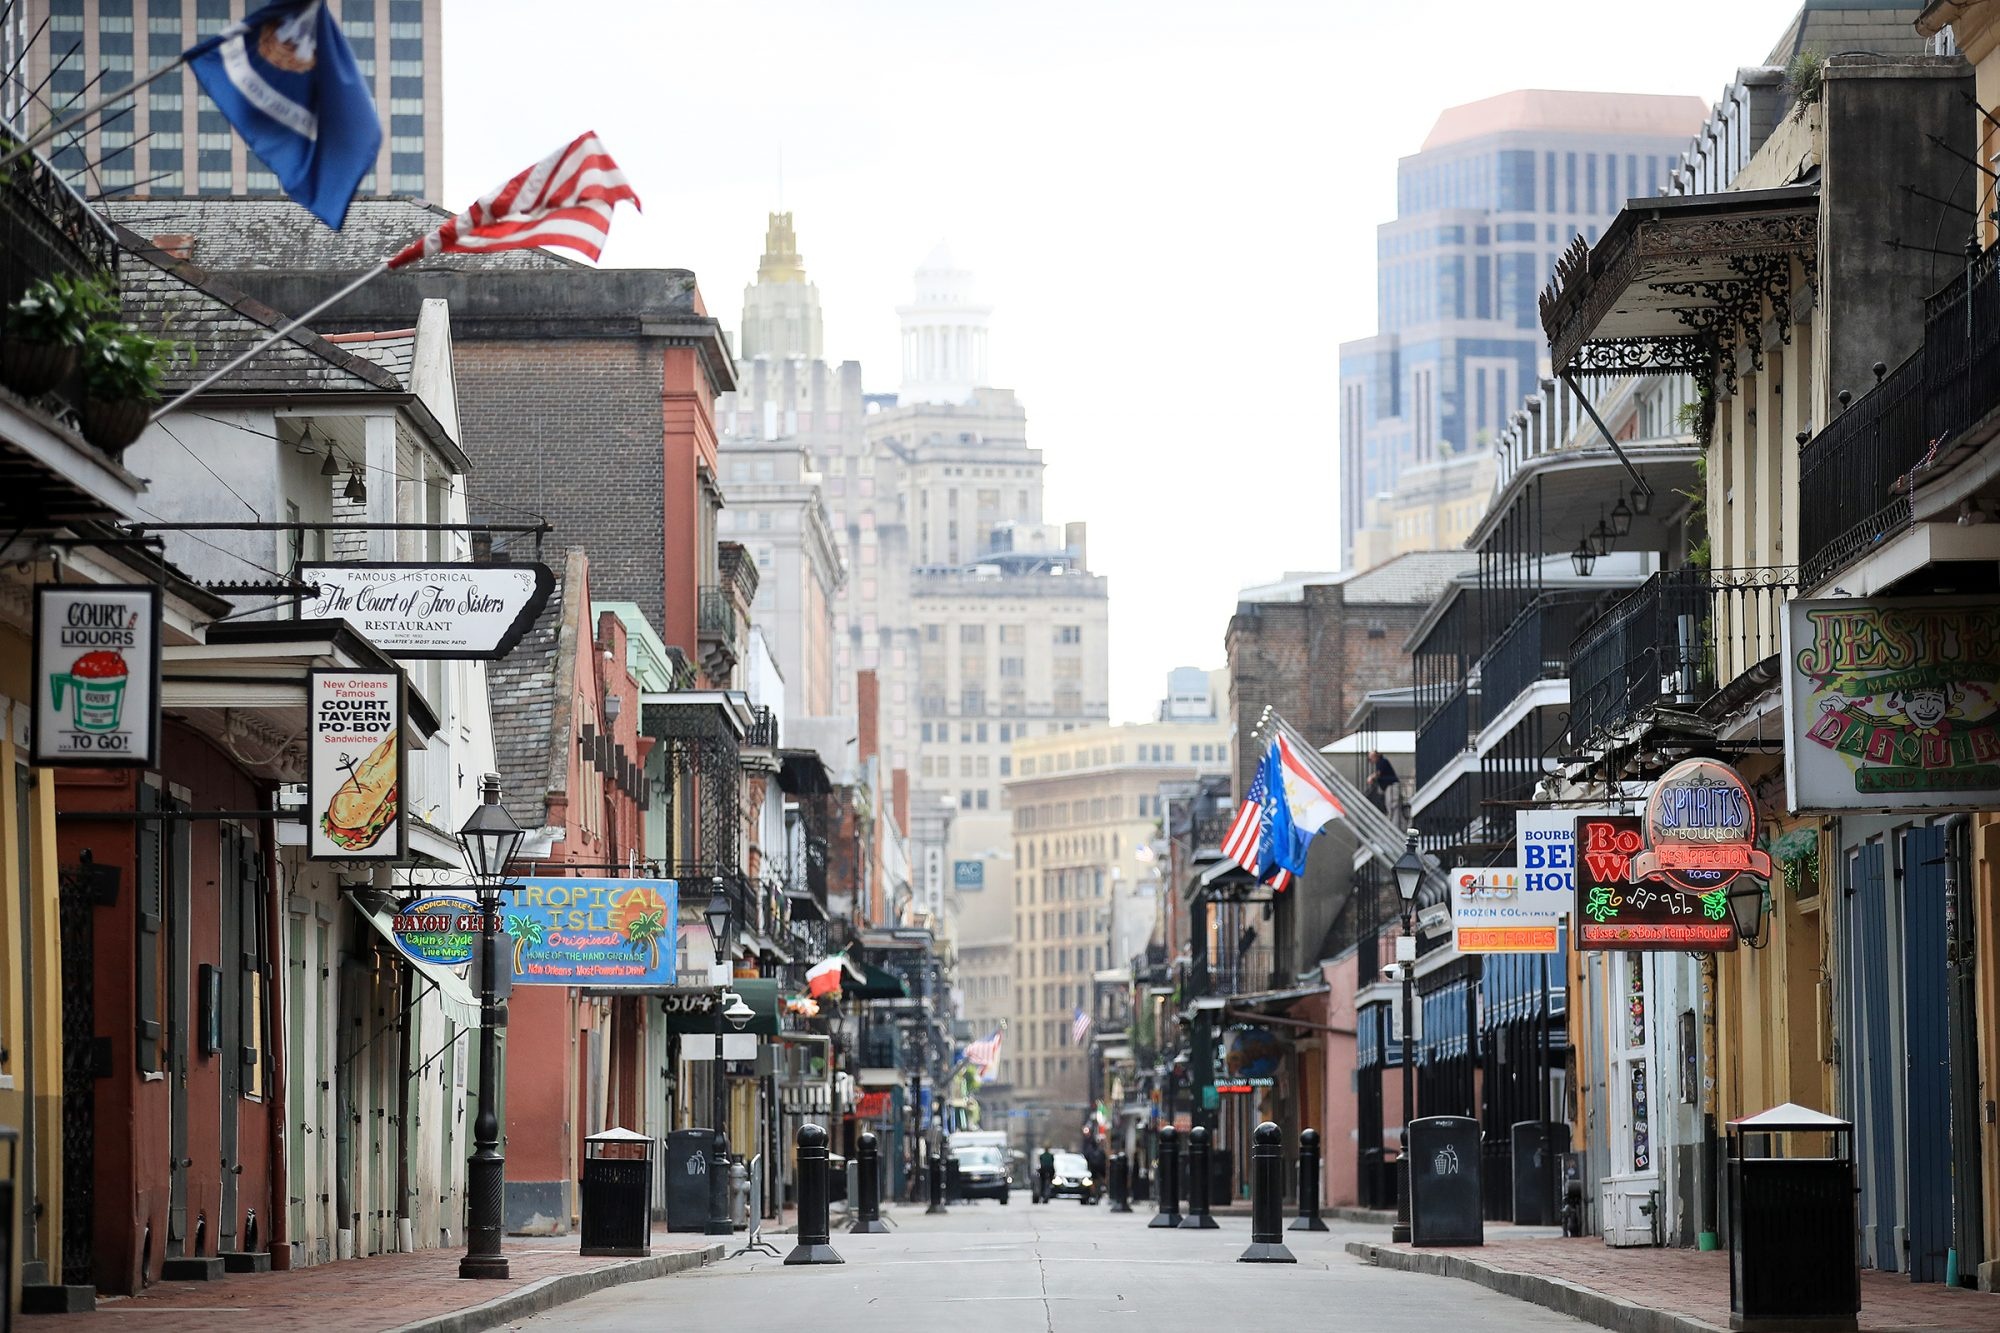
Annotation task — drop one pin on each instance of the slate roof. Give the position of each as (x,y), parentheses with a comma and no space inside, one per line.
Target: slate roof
(185,302)
(244,234)
(1414,578)
(394,351)
(520,688)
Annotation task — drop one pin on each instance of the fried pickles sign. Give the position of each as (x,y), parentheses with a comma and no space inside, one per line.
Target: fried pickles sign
(354,789)
(1892,704)
(600,933)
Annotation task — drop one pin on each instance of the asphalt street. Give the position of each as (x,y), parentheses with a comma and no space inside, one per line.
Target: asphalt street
(1058,1268)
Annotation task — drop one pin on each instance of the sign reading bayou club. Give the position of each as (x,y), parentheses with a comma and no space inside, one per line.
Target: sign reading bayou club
(446,611)
(580,931)
(440,929)
(97,675)
(1892,704)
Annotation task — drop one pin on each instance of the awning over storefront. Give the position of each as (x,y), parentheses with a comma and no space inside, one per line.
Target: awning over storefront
(692,1012)
(865,981)
(461,1005)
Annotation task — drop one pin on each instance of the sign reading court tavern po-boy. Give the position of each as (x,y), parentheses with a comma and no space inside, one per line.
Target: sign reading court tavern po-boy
(446,611)
(354,787)
(97,675)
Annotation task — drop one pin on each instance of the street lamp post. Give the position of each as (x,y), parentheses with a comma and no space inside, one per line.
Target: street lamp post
(1409,876)
(717,917)
(489,839)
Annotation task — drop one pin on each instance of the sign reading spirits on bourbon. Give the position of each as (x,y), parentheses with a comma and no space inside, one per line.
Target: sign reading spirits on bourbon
(1701,829)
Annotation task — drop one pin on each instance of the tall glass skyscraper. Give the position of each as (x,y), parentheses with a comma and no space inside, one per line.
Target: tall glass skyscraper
(172,140)
(1497,191)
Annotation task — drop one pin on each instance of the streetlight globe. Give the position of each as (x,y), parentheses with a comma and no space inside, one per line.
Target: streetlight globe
(1409,869)
(490,838)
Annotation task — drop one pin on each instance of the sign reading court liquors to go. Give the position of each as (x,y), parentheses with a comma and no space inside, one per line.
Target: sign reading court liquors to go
(447,611)
(354,787)
(97,675)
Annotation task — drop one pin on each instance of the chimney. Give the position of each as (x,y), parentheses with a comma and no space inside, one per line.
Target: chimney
(176,243)
(867,702)
(899,786)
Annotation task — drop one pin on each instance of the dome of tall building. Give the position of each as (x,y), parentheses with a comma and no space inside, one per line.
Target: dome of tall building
(944,333)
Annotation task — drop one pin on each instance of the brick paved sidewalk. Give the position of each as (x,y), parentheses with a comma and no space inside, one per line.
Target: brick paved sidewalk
(419,1291)
(1688,1286)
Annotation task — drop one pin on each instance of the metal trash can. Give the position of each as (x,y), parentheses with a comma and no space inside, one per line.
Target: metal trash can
(618,1193)
(1537,1147)
(1445,1203)
(690,1201)
(1792,1248)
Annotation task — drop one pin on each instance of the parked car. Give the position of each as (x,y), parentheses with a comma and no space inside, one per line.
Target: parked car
(982,1173)
(1073,1179)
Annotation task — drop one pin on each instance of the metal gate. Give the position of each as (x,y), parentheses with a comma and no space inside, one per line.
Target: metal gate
(1868,1062)
(1927,1055)
(80,1061)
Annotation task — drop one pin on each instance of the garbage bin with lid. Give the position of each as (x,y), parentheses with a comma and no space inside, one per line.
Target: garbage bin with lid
(1445,1203)
(1536,1157)
(1792,1255)
(690,1200)
(618,1193)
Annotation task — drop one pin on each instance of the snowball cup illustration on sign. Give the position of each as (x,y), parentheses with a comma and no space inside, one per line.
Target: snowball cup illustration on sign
(1701,830)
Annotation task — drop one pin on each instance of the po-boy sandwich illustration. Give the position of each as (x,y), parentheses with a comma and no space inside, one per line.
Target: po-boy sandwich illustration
(364,805)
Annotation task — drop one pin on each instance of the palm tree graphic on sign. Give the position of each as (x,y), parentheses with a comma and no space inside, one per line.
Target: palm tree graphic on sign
(641,916)
(525,931)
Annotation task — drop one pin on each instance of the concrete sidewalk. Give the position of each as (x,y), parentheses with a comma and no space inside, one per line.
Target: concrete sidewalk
(1659,1290)
(418,1292)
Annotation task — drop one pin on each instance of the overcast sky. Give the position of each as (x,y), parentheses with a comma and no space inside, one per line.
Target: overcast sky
(1170,205)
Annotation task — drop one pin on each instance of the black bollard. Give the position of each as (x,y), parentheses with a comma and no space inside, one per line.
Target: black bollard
(1309,1218)
(1198,1217)
(953,1186)
(815,1243)
(1267,1199)
(937,1185)
(868,1172)
(1167,1175)
(1121,1184)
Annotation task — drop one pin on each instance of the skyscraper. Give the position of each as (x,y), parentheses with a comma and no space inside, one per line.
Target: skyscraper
(172,140)
(1496,192)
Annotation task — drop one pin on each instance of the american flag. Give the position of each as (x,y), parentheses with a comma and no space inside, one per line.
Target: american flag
(1240,845)
(985,1055)
(565,199)
(1079,1027)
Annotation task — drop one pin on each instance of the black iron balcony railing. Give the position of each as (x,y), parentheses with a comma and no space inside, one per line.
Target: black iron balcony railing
(715,616)
(47,231)
(762,733)
(1210,830)
(1535,647)
(1444,734)
(1241,971)
(1673,640)
(1856,476)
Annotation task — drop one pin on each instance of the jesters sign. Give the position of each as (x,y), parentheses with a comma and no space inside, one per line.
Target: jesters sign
(1892,704)
(443,611)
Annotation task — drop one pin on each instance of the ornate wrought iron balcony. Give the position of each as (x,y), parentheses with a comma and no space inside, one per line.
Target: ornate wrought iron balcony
(1674,640)
(715,616)
(46,231)
(762,733)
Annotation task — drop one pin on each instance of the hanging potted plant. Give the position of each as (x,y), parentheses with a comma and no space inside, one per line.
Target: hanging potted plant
(121,382)
(44,331)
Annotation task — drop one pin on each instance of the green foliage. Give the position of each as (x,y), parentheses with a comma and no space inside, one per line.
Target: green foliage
(60,311)
(121,364)
(1805,80)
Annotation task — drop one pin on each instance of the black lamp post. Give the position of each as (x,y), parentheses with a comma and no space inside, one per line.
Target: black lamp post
(1409,876)
(490,838)
(717,915)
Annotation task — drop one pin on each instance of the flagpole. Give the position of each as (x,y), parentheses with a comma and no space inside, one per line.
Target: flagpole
(381,267)
(63,127)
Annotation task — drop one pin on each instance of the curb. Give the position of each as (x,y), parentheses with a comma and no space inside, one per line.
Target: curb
(1384,1217)
(561,1289)
(1550,1293)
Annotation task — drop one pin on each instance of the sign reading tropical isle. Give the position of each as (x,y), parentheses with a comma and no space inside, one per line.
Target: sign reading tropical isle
(1892,704)
(580,931)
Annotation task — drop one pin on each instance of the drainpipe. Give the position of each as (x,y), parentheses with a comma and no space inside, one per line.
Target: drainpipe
(276,975)
(1967,1242)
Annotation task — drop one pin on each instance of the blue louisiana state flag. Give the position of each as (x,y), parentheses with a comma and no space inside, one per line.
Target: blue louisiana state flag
(285,78)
